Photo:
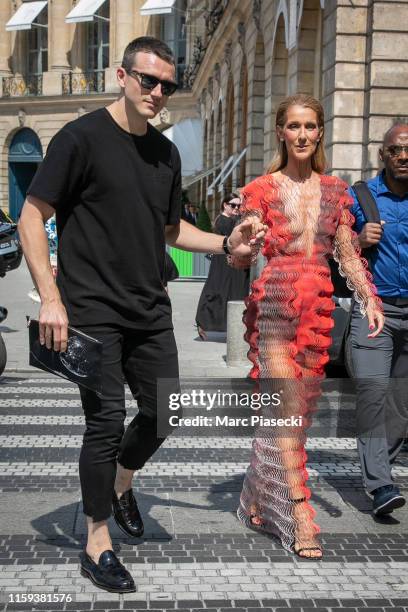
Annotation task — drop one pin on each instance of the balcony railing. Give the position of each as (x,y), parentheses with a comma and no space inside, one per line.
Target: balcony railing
(212,19)
(22,86)
(83,82)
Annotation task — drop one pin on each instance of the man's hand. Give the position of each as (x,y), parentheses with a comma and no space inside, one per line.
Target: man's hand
(370,234)
(53,324)
(247,235)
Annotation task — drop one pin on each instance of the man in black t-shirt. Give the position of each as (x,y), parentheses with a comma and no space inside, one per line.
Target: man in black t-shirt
(114,182)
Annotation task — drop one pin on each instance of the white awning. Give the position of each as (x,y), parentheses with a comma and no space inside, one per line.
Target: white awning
(219,176)
(25,15)
(157,7)
(229,167)
(84,11)
(187,135)
(190,180)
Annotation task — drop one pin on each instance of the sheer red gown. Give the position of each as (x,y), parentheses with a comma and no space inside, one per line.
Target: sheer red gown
(288,320)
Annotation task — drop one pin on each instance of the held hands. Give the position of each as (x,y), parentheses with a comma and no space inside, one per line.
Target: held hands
(53,324)
(370,234)
(375,318)
(247,237)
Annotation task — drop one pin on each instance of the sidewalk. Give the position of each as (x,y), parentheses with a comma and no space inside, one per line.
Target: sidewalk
(194,555)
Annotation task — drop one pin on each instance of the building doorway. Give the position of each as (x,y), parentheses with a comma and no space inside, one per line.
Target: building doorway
(25,154)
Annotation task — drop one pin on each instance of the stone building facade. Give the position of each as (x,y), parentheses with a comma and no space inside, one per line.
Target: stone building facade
(246,55)
(56,70)
(242,57)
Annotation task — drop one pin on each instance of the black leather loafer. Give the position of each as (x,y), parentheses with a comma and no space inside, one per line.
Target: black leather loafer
(127,515)
(108,573)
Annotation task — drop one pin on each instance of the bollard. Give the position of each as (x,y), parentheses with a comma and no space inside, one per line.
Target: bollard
(237,348)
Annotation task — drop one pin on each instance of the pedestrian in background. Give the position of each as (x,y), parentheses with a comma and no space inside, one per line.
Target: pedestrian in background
(187,215)
(223,282)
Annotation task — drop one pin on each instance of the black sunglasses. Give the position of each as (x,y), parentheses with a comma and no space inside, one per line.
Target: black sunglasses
(234,205)
(150,82)
(395,150)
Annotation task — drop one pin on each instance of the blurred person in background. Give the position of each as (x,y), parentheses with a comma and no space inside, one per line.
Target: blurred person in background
(223,283)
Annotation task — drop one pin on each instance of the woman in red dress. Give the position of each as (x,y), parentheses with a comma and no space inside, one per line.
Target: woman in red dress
(288,314)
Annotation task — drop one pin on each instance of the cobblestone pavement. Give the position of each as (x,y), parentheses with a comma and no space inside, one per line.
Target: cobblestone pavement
(194,555)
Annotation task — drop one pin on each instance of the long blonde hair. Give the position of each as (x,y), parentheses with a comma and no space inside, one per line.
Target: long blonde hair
(280,159)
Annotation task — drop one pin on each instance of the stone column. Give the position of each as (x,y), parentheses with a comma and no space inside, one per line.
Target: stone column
(59,45)
(5,37)
(122,32)
(145,26)
(59,35)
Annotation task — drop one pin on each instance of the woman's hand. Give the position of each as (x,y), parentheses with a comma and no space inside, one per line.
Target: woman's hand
(375,318)
(247,236)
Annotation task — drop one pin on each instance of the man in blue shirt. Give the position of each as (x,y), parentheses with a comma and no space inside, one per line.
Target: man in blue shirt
(381,363)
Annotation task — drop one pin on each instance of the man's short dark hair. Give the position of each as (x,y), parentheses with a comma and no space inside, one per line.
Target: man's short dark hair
(146,44)
(397,124)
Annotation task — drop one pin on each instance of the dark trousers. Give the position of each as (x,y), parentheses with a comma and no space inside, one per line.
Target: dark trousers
(381,373)
(140,358)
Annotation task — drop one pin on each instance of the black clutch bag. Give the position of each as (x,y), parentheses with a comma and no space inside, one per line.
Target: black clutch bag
(81,363)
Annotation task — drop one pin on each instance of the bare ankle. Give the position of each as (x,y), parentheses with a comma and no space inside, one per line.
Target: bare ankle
(123,480)
(98,539)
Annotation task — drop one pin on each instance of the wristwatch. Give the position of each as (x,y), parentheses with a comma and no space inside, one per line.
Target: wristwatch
(225,245)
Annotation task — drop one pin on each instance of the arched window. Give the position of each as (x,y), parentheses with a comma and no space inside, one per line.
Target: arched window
(25,153)
(230,128)
(243,123)
(279,85)
(309,49)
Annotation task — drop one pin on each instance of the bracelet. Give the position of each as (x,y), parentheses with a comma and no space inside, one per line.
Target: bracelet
(225,245)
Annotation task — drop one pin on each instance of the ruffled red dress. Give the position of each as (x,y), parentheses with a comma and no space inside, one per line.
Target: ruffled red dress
(288,320)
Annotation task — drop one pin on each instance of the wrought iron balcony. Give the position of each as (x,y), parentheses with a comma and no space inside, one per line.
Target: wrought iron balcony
(213,16)
(79,83)
(191,71)
(14,86)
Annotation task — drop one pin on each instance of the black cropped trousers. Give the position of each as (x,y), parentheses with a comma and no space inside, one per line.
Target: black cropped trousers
(139,358)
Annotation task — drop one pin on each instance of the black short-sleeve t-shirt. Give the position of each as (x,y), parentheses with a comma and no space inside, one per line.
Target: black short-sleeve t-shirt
(113,192)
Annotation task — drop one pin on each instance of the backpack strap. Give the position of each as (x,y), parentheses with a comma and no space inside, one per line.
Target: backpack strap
(370,209)
(367,202)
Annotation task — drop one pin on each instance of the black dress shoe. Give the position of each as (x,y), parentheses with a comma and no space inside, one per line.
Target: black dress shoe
(108,573)
(127,515)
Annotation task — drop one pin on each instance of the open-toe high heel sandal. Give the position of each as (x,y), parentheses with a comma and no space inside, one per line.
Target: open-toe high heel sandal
(248,522)
(302,549)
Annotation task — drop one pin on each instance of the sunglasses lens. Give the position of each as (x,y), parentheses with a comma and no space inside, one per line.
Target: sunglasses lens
(397,150)
(149,82)
(168,88)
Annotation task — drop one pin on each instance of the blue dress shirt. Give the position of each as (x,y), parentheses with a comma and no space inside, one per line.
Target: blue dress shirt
(389,264)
